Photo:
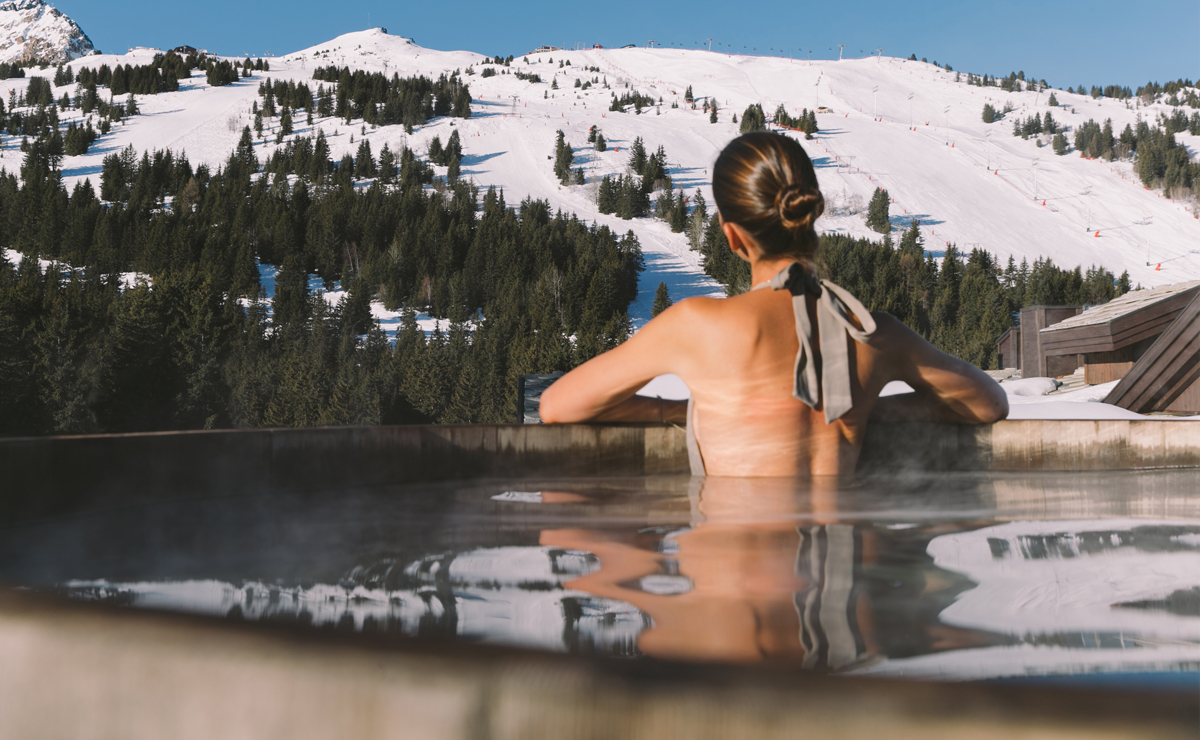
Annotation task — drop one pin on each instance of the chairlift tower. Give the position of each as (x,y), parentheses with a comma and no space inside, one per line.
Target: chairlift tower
(875,97)
(910,97)
(946,119)
(709,44)
(1146,221)
(880,55)
(841,48)
(515,99)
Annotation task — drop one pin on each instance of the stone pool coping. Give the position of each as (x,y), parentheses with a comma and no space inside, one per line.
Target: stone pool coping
(81,671)
(257,460)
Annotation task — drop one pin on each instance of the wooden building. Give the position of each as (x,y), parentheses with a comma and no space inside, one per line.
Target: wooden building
(1109,339)
(1008,349)
(1035,363)
(1167,375)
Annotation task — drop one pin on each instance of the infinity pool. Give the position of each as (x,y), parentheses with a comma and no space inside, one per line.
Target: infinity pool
(1065,578)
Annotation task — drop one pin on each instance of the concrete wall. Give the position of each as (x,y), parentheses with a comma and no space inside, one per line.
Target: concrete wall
(92,673)
(49,475)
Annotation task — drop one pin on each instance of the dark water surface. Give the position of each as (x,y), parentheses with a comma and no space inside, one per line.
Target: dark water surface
(1085,578)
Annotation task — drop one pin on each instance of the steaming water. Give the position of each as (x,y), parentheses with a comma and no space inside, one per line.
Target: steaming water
(1063,578)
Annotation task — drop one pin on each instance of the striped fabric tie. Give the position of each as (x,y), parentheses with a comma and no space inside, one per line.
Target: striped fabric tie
(826,376)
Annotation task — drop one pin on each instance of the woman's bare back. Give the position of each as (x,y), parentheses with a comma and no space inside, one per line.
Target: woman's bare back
(737,356)
(746,419)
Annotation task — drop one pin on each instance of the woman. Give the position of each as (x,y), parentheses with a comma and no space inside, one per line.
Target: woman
(784,377)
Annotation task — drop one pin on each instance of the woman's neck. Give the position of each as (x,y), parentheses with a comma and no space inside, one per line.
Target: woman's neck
(762,270)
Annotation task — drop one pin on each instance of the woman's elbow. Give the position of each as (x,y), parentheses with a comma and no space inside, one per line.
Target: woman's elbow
(550,408)
(996,410)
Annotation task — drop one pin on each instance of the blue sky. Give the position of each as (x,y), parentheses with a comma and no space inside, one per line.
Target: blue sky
(1066,43)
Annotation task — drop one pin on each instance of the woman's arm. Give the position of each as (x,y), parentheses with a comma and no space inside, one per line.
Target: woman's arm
(947,388)
(603,388)
(646,409)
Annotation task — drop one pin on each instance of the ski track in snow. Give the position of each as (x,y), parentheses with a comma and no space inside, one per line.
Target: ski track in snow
(969,183)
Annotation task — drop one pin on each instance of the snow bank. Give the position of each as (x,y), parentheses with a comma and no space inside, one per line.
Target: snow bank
(1029,386)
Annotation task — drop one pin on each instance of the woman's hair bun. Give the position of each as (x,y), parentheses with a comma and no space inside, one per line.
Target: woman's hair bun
(765,183)
(799,206)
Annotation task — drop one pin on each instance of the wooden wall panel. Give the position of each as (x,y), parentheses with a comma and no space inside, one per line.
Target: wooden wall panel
(1008,349)
(1105,372)
(1188,401)
(1167,371)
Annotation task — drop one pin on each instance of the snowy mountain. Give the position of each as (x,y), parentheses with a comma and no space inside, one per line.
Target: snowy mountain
(906,126)
(31,30)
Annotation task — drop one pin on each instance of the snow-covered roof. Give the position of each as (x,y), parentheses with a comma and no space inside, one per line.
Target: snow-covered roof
(1133,301)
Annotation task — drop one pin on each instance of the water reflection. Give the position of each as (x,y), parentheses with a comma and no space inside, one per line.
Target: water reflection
(766,573)
(952,578)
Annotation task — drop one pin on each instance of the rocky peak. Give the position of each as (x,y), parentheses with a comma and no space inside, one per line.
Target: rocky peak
(31,30)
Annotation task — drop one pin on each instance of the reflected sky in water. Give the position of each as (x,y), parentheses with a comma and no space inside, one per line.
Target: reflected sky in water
(953,577)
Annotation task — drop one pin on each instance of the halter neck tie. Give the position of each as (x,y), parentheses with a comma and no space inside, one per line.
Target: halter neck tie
(827,376)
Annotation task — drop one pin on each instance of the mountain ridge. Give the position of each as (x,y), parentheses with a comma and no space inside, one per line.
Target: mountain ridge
(34,31)
(919,135)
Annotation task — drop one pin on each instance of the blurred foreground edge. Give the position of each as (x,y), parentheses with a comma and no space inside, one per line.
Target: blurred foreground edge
(86,672)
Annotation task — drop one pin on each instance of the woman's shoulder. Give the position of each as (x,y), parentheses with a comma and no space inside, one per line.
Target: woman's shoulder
(892,335)
(888,328)
(697,308)
(691,319)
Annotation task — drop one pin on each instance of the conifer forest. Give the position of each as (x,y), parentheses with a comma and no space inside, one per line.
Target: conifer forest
(152,314)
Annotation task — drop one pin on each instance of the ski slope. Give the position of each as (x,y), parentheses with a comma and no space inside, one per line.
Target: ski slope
(968,183)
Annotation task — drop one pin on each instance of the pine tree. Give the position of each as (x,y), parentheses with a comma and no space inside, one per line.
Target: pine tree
(877,211)
(753,119)
(697,221)
(387,165)
(562,159)
(687,95)
(601,145)
(637,156)
(244,155)
(453,146)
(364,163)
(662,300)
(1060,144)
